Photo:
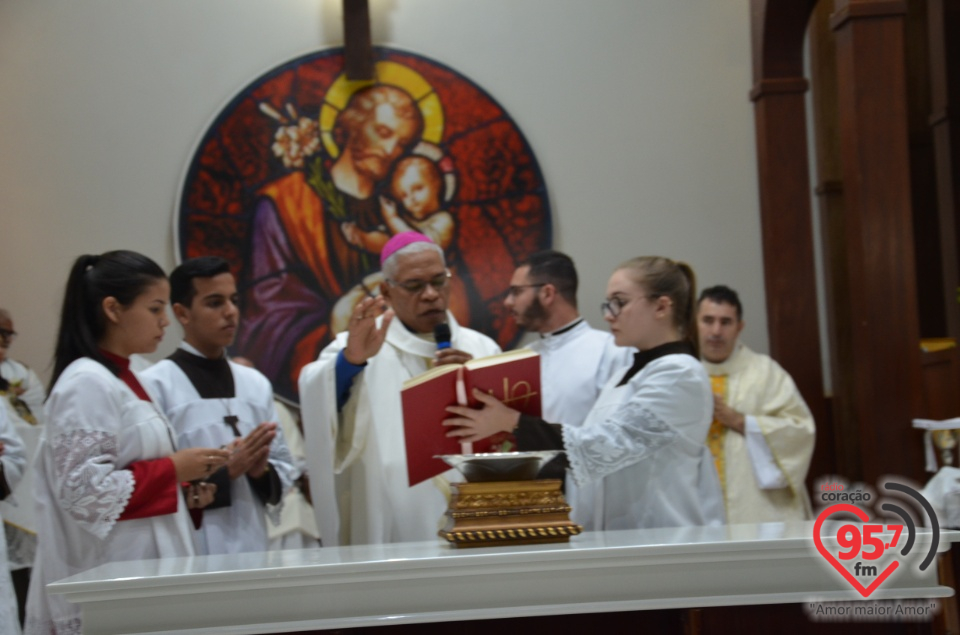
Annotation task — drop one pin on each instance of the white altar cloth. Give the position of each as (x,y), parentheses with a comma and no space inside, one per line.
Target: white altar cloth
(344,587)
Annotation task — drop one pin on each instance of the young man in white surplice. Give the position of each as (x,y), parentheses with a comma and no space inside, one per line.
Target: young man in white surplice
(212,401)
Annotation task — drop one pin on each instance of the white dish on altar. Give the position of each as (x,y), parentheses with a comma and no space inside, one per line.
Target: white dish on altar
(500,466)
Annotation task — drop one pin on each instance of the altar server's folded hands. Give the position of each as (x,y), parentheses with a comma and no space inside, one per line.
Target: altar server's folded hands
(250,455)
(192,464)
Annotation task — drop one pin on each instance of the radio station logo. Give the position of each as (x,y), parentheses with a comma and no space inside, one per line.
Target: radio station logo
(867,553)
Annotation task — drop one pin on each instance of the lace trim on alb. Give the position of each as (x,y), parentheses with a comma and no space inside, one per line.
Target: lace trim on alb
(71,626)
(91,489)
(622,439)
(21,547)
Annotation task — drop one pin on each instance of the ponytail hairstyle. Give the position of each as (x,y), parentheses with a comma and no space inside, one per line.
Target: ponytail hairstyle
(123,275)
(676,280)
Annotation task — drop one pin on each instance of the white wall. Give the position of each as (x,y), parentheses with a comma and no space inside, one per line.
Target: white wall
(637,111)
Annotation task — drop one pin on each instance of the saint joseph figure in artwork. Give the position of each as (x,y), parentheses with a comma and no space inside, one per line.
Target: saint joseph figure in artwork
(301,262)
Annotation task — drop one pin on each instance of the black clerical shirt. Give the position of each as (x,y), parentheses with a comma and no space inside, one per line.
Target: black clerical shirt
(213,379)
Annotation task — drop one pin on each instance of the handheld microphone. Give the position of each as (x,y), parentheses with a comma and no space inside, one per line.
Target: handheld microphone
(441,333)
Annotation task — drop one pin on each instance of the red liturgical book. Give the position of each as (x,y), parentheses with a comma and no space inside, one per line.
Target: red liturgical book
(512,377)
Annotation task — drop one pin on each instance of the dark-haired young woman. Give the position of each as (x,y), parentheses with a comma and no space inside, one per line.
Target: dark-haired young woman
(108,470)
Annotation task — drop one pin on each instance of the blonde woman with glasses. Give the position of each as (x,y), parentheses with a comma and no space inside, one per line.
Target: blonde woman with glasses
(640,459)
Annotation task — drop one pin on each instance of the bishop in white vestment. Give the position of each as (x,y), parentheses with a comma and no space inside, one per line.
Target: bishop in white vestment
(351,409)
(356,457)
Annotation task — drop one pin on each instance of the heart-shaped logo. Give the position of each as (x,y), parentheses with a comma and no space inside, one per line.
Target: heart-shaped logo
(829,557)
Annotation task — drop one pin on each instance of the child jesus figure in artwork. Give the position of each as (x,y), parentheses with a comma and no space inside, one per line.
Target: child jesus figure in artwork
(418,185)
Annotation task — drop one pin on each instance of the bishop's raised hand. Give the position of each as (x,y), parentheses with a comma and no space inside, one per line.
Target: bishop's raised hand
(366,337)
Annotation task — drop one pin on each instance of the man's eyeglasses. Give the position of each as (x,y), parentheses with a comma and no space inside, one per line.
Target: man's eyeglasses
(438,282)
(515,290)
(8,335)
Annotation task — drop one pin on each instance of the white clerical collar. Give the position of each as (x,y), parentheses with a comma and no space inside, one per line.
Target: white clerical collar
(426,337)
(566,328)
(404,339)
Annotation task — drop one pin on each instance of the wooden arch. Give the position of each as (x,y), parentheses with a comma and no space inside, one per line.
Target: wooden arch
(874,317)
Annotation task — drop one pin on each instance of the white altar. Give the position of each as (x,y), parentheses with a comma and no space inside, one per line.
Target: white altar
(344,587)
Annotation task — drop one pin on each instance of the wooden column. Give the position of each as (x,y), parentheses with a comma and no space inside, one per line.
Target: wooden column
(885,389)
(785,214)
(943,22)
(837,439)
(927,238)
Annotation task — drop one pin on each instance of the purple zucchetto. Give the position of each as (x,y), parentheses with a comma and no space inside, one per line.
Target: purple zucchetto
(400,241)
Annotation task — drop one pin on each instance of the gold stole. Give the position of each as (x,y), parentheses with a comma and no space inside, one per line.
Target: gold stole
(718,431)
(19,405)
